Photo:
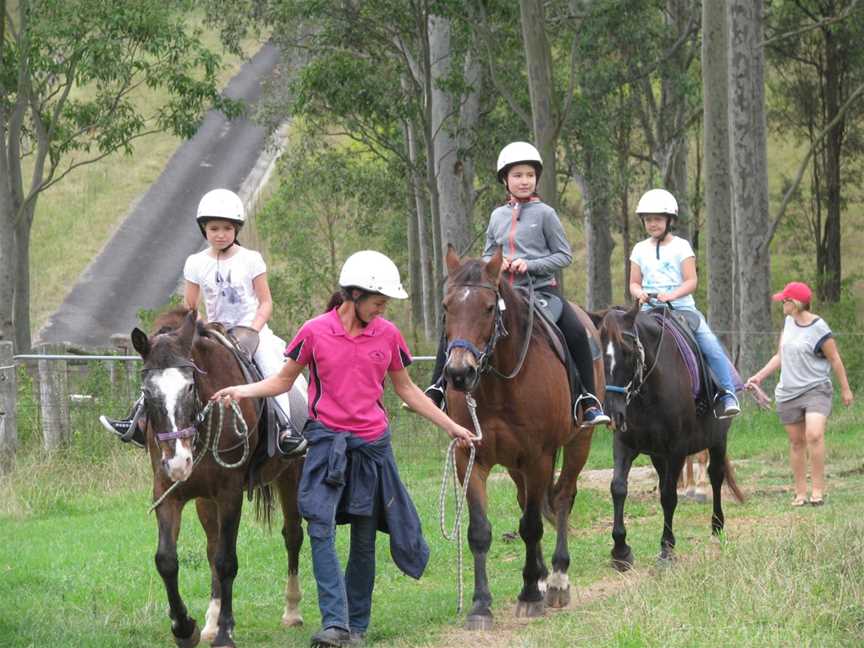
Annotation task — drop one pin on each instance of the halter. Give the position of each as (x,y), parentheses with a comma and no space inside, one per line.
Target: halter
(498,331)
(192,430)
(640,376)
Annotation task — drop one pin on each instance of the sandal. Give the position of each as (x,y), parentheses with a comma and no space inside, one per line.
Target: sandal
(799,501)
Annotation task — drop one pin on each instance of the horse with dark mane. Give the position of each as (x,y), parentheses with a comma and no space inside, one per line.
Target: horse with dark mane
(502,356)
(199,452)
(649,396)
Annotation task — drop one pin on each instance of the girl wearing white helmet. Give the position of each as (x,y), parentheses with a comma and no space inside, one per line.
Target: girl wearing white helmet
(232,280)
(665,265)
(349,468)
(535,248)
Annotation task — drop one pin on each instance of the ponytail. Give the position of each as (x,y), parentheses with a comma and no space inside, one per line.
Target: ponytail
(336,300)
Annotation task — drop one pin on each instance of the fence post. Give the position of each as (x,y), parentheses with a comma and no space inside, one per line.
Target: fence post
(8,394)
(54,398)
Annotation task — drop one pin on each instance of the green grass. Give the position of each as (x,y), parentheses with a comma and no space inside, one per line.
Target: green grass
(77,557)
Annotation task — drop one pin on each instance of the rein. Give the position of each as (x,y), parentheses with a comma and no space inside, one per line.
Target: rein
(640,376)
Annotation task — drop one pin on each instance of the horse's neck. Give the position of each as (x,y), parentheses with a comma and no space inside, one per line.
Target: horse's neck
(219,366)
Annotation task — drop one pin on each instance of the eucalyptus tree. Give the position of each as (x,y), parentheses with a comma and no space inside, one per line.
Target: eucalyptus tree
(69,74)
(815,51)
(748,163)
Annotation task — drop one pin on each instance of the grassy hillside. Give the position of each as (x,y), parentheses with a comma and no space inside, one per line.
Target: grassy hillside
(76,217)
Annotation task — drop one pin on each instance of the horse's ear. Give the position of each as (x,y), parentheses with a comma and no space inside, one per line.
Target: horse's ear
(140,342)
(452,259)
(493,268)
(597,318)
(187,331)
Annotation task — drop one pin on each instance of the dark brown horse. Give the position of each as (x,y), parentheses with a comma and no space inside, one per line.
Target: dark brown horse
(649,397)
(525,416)
(194,457)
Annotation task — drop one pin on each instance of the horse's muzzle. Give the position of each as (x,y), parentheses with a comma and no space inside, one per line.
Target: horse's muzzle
(464,378)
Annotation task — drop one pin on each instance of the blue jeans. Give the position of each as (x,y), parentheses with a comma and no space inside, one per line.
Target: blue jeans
(346,602)
(715,355)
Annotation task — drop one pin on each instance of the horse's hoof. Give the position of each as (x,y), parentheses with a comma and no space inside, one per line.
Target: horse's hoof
(292,620)
(666,560)
(192,640)
(209,634)
(557,598)
(224,643)
(624,563)
(480,622)
(530,609)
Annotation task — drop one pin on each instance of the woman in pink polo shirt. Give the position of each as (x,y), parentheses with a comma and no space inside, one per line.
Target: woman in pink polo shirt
(349,468)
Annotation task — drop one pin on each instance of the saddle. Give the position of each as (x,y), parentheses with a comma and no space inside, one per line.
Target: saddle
(242,341)
(682,326)
(549,307)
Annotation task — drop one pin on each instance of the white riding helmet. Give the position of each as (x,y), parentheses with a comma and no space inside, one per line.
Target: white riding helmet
(657,201)
(372,271)
(518,153)
(222,204)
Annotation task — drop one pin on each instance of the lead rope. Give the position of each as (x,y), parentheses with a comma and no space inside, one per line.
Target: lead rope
(450,461)
(202,417)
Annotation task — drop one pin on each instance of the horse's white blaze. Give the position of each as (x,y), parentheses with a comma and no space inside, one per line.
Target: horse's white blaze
(610,351)
(171,384)
(465,294)
(559,581)
(211,620)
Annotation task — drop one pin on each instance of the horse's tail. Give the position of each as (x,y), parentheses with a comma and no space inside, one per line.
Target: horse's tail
(264,505)
(733,485)
(548,506)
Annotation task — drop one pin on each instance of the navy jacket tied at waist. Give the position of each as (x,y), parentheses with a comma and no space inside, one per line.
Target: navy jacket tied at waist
(341,475)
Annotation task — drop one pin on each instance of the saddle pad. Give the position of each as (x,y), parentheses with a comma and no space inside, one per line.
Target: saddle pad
(688,354)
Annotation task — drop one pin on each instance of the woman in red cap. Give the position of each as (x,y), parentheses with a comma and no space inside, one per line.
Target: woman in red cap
(806,354)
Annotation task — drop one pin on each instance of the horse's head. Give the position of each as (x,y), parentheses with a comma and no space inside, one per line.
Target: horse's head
(171,399)
(472,307)
(623,359)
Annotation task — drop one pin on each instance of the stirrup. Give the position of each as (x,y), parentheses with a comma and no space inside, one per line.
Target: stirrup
(599,418)
(290,443)
(730,410)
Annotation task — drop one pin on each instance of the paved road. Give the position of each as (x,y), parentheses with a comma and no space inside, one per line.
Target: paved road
(141,265)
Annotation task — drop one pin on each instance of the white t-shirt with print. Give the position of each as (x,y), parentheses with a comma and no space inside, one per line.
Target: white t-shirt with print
(226,284)
(663,275)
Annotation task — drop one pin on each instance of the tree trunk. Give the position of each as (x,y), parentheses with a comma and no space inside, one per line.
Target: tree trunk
(21,314)
(830,281)
(431,184)
(454,212)
(424,262)
(543,116)
(748,156)
(469,119)
(718,192)
(8,263)
(598,240)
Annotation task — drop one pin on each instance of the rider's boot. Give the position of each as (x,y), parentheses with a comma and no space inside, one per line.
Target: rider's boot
(728,406)
(291,442)
(128,430)
(592,411)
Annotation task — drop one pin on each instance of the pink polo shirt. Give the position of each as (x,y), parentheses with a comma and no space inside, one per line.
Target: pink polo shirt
(346,374)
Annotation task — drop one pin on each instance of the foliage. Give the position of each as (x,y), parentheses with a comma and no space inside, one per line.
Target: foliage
(332,200)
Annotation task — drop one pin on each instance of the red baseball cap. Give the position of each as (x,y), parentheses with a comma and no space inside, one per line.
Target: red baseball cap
(797,290)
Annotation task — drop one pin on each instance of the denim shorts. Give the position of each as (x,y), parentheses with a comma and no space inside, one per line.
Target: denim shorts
(816,400)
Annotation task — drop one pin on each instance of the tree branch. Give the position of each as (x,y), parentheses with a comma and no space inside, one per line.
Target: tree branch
(803,166)
(830,20)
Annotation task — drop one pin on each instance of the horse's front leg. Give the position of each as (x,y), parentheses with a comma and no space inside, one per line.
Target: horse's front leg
(622,555)
(717,474)
(226,564)
(668,469)
(183,627)
(209,518)
(531,600)
(292,533)
(564,493)
(479,540)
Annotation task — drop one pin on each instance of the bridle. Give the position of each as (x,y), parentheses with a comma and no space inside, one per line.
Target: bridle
(640,376)
(499,330)
(192,430)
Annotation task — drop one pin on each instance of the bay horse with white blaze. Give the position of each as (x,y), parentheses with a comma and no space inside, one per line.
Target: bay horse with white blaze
(504,358)
(649,396)
(200,453)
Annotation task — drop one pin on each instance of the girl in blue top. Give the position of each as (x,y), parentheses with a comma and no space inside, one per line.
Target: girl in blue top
(665,265)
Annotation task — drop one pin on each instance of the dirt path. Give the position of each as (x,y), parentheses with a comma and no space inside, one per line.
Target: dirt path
(140,267)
